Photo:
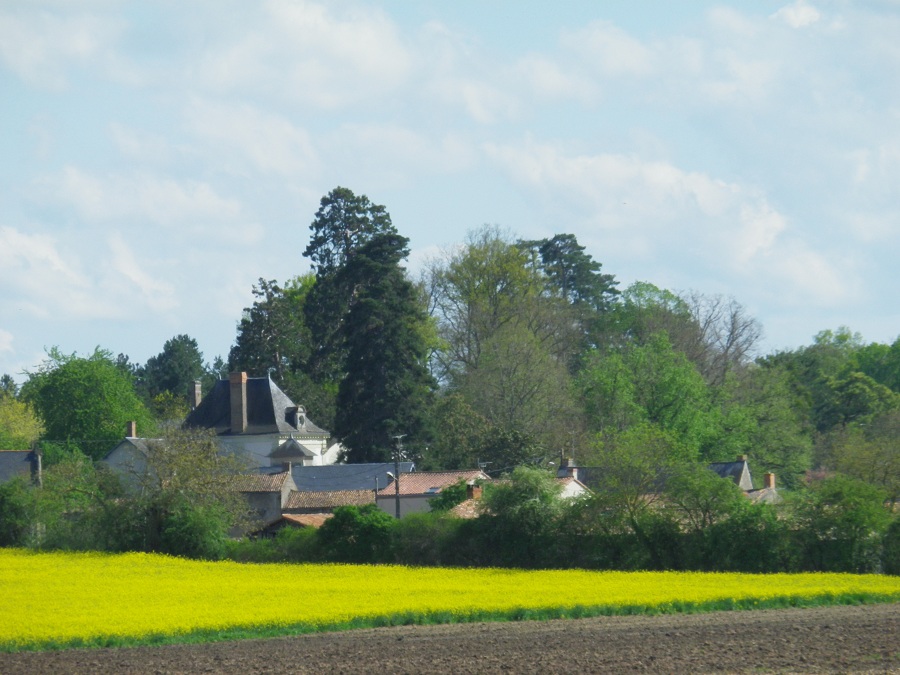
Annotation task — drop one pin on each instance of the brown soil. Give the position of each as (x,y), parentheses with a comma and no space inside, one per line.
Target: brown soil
(822,640)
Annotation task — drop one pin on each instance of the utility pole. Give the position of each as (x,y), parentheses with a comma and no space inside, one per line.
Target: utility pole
(397,451)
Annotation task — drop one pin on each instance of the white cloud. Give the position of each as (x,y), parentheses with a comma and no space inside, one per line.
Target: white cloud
(40,47)
(312,53)
(269,142)
(550,80)
(145,198)
(610,50)
(39,279)
(663,215)
(399,151)
(6,341)
(158,295)
(141,146)
(798,14)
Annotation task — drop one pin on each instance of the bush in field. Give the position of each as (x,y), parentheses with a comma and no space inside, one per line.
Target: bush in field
(839,524)
(298,544)
(16,512)
(891,548)
(427,539)
(357,535)
(195,531)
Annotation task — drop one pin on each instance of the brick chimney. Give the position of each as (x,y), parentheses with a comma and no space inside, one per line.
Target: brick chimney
(473,491)
(769,481)
(131,429)
(196,394)
(238,395)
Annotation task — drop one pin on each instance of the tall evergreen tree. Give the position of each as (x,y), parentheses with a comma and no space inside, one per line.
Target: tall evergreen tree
(174,369)
(387,387)
(343,224)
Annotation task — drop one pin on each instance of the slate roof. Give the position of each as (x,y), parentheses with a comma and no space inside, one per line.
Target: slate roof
(16,463)
(326,501)
(261,482)
(430,482)
(267,409)
(345,476)
(291,449)
(738,471)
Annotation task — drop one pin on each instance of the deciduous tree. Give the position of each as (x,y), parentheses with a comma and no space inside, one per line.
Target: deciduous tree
(85,401)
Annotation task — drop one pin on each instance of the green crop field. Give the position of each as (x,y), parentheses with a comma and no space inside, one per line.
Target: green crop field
(52,600)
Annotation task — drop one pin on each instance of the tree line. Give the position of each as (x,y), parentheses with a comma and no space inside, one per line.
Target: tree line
(502,352)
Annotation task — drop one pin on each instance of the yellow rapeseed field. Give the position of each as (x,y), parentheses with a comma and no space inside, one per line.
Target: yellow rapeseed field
(65,597)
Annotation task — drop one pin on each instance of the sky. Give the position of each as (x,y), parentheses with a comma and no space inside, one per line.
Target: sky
(157,159)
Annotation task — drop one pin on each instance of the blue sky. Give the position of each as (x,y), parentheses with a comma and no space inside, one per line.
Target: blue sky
(156,159)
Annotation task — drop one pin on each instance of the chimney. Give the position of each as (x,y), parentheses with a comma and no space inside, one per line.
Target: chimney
(286,467)
(473,491)
(195,395)
(567,469)
(741,458)
(131,429)
(238,396)
(769,481)
(38,470)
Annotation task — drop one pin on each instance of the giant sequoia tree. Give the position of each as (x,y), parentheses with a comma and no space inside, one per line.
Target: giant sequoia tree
(386,387)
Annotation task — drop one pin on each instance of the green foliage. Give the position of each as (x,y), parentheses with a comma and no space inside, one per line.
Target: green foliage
(521,514)
(344,223)
(699,498)
(881,363)
(647,384)
(428,539)
(85,401)
(871,453)
(840,523)
(357,535)
(195,531)
(891,548)
(173,370)
(450,496)
(17,512)
(763,418)
(517,384)
(386,389)
(8,386)
(20,427)
(487,285)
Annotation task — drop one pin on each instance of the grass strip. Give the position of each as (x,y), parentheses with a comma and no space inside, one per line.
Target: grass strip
(446,617)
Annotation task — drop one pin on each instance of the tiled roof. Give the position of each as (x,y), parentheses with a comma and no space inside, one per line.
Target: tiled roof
(467,509)
(430,482)
(329,500)
(307,519)
(261,482)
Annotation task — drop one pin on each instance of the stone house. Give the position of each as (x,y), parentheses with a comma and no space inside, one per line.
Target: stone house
(413,490)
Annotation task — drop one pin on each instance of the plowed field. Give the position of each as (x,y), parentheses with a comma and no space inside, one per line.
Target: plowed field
(822,640)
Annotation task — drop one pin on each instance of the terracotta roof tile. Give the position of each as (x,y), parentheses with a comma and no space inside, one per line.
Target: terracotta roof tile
(430,482)
(307,519)
(261,482)
(329,499)
(467,509)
